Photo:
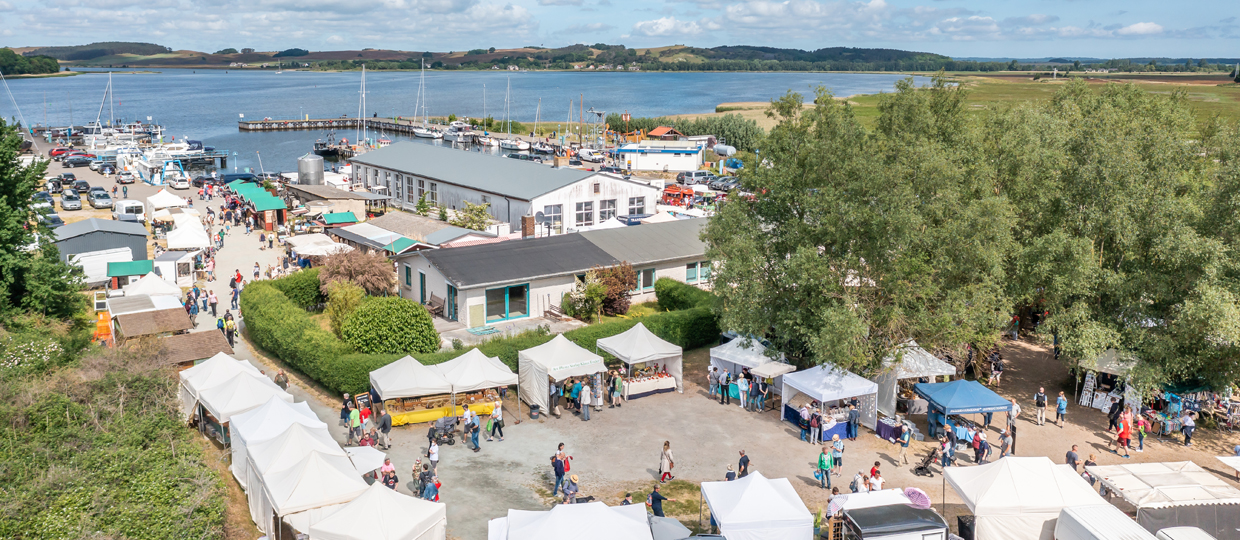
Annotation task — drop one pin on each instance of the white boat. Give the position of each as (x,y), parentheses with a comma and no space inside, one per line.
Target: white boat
(384,142)
(514,144)
(542,148)
(427,133)
(458,131)
(424,131)
(483,140)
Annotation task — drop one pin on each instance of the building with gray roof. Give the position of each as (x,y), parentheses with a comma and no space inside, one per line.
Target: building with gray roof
(94,234)
(447,177)
(489,283)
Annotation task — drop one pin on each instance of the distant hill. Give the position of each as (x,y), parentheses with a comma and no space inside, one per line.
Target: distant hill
(831,54)
(96,50)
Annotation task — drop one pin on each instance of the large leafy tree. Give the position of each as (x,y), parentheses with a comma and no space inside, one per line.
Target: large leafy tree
(1125,232)
(32,277)
(855,242)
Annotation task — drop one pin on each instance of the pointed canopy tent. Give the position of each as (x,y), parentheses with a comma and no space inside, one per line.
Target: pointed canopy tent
(239,394)
(639,345)
(475,371)
(557,359)
(661,217)
(961,397)
(164,199)
(1099,522)
(1019,498)
(210,373)
(568,521)
(1175,494)
(757,508)
(188,236)
(380,513)
(283,450)
(262,424)
(408,378)
(316,481)
(913,362)
(152,285)
(828,383)
(365,458)
(609,223)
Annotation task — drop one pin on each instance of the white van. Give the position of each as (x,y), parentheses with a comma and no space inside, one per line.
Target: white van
(129,210)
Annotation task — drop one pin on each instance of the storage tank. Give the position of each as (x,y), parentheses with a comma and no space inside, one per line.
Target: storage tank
(310,170)
(723,150)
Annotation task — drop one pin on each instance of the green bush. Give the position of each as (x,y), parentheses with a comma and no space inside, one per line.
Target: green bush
(690,328)
(302,287)
(675,295)
(390,325)
(285,330)
(343,299)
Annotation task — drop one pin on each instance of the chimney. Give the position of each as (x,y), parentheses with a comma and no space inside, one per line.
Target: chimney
(527,226)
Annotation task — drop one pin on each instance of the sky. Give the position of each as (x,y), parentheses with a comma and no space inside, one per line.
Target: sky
(958,28)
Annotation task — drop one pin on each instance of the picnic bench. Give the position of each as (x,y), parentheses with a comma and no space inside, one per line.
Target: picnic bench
(554,312)
(435,305)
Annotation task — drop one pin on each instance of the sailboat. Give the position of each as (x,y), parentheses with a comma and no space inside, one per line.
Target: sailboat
(539,146)
(279,68)
(361,113)
(484,140)
(423,131)
(510,143)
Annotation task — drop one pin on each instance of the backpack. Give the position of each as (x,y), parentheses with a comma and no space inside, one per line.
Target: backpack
(1040,400)
(853,485)
(232,282)
(219,323)
(813,421)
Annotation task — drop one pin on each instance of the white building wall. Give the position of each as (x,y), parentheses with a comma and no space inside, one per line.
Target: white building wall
(596,189)
(659,160)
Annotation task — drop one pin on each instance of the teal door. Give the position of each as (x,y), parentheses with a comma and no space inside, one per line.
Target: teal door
(422,285)
(449,310)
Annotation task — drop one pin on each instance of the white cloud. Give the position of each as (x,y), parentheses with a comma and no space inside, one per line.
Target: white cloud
(1031,20)
(586,28)
(1140,29)
(559,2)
(335,39)
(666,27)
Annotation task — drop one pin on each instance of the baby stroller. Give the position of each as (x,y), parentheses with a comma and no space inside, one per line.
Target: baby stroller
(923,469)
(443,431)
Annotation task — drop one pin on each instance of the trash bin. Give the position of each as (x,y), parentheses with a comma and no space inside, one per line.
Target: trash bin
(964,527)
(534,412)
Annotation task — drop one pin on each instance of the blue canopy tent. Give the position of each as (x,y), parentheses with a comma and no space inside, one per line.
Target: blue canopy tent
(958,397)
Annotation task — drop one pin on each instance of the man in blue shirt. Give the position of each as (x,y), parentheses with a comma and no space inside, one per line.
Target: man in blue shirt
(656,501)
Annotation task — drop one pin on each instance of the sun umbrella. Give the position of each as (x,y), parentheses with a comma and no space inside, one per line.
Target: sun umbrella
(837,504)
(917,498)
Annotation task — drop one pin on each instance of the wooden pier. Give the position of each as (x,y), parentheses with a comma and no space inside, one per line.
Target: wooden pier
(327,124)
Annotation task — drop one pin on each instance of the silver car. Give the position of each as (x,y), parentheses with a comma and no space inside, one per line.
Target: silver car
(100,199)
(69,200)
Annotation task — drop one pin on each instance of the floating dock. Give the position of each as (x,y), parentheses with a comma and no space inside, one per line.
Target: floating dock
(320,124)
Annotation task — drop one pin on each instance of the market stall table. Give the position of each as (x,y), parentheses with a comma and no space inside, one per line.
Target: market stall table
(639,345)
(638,388)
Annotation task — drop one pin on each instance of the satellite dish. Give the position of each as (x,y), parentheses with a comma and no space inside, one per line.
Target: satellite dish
(539,217)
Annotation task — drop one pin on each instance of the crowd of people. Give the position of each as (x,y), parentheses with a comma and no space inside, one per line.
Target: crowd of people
(752,392)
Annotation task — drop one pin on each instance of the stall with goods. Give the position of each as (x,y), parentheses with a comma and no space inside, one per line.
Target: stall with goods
(830,390)
(1019,498)
(653,365)
(948,401)
(239,394)
(1175,494)
(743,354)
(910,362)
(413,393)
(552,362)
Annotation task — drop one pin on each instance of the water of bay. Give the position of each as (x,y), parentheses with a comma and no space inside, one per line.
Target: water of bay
(206,104)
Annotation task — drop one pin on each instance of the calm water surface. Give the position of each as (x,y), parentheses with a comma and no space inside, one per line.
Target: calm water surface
(206,104)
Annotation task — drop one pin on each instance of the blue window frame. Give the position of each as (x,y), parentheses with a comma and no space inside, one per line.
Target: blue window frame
(504,303)
(408,276)
(645,279)
(691,273)
(422,285)
(704,273)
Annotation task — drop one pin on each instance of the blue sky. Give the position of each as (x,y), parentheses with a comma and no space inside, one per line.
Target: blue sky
(1134,28)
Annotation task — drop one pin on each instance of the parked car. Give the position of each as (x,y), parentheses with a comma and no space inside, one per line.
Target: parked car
(69,200)
(616,170)
(58,151)
(100,199)
(725,183)
(75,161)
(125,177)
(42,200)
(206,180)
(96,189)
(53,185)
(81,186)
(525,157)
(67,178)
(107,168)
(51,220)
(690,178)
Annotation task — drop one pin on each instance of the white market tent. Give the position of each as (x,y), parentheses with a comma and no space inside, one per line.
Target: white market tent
(1019,498)
(1111,362)
(316,244)
(210,373)
(1231,461)
(661,217)
(757,508)
(1098,522)
(365,458)
(307,491)
(475,371)
(164,199)
(558,359)
(262,424)
(241,393)
(1173,494)
(609,223)
(188,234)
(828,383)
(638,345)
(872,499)
(593,520)
(380,513)
(914,363)
(152,285)
(287,447)
(408,378)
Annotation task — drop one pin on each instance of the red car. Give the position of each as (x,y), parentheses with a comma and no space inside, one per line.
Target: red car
(77,153)
(58,151)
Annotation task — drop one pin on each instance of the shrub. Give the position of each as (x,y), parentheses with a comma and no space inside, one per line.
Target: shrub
(343,299)
(278,326)
(391,325)
(302,287)
(618,281)
(586,299)
(370,270)
(690,328)
(675,295)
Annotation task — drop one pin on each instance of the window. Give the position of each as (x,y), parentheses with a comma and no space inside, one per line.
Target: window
(554,214)
(486,199)
(421,188)
(432,196)
(637,206)
(704,272)
(606,210)
(585,214)
(508,303)
(691,273)
(408,276)
(409,196)
(596,187)
(645,279)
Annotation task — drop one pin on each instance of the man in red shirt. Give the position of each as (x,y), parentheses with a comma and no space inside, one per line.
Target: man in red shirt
(1124,435)
(874,470)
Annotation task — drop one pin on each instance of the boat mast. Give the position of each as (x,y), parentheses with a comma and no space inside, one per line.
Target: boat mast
(537,113)
(111,105)
(361,108)
(507,108)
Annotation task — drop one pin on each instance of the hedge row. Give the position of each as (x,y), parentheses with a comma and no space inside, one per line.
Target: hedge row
(278,325)
(677,295)
(303,288)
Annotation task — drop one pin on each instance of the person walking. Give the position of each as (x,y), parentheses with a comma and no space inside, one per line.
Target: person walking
(656,501)
(763,391)
(230,330)
(742,466)
(355,425)
(905,438)
(125,191)
(1113,414)
(385,428)
(584,402)
(1073,459)
(725,381)
(824,468)
(854,419)
(666,463)
(258,270)
(497,423)
(236,298)
(473,435)
(837,454)
(432,455)
(1123,436)
(1039,404)
(742,390)
(557,467)
(815,427)
(712,379)
(1141,426)
(1188,425)
(214,300)
(1061,410)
